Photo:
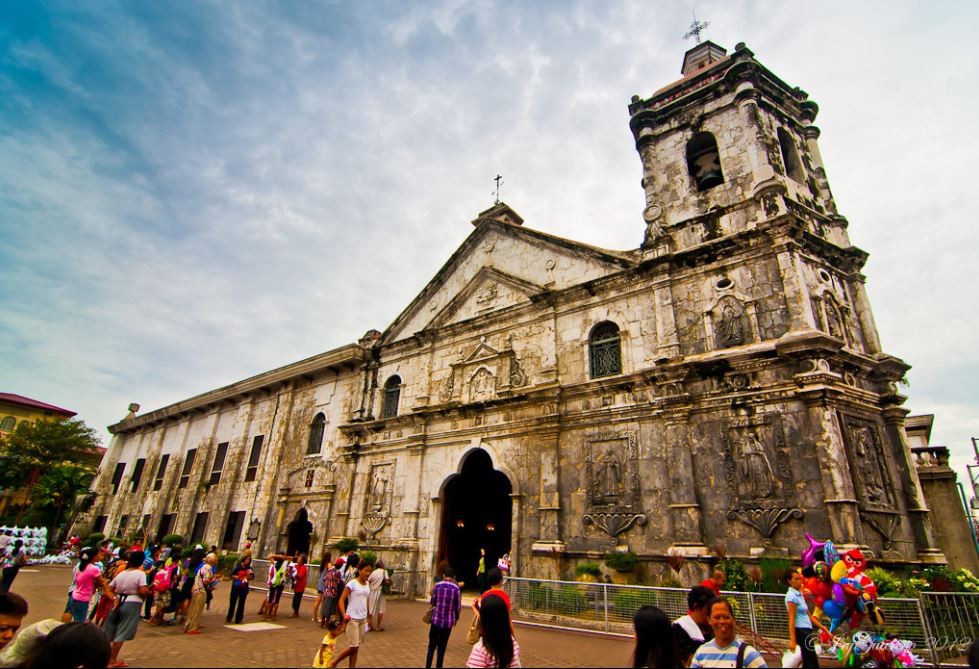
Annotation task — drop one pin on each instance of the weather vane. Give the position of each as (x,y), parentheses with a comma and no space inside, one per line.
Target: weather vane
(696,28)
(499,182)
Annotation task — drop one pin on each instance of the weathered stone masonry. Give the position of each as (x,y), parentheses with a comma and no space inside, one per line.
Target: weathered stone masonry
(721,384)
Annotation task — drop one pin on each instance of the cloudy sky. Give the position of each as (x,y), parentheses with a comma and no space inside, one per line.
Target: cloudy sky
(195,192)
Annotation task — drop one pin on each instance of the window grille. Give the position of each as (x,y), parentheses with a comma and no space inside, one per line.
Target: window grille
(315,444)
(606,350)
(392,394)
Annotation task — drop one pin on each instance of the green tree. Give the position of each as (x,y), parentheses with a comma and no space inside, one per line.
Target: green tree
(53,460)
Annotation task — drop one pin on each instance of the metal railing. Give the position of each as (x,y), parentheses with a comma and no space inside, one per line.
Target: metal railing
(940,624)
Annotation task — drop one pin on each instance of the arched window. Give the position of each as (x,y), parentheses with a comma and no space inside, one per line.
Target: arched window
(790,156)
(392,393)
(8,424)
(605,350)
(315,444)
(704,161)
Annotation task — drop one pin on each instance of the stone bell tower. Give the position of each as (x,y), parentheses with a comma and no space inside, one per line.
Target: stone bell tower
(756,273)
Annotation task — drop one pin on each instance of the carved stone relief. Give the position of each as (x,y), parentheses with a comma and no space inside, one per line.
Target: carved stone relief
(612,485)
(482,386)
(758,473)
(865,451)
(377,502)
(730,325)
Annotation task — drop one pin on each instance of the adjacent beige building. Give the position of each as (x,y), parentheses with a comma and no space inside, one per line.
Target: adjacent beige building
(721,384)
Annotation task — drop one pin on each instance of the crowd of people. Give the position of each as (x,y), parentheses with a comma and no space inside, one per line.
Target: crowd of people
(111,590)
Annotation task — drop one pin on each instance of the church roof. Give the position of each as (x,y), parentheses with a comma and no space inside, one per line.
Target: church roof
(504,224)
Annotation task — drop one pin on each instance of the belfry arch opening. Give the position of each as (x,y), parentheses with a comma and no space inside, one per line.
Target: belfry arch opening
(476,514)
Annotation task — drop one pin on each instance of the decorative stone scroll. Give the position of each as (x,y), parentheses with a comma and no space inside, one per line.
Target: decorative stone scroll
(612,483)
(766,521)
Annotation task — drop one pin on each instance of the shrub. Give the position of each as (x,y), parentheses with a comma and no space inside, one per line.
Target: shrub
(773,571)
(172,540)
(590,568)
(346,544)
(94,539)
(570,600)
(941,579)
(734,571)
(226,562)
(887,584)
(368,556)
(540,596)
(621,560)
(670,582)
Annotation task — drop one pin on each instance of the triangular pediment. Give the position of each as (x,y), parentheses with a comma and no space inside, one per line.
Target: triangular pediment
(490,290)
(501,265)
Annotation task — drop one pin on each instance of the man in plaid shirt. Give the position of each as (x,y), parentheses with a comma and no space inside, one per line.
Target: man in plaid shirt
(447,600)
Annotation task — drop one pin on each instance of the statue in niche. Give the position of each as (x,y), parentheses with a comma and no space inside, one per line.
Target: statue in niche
(834,324)
(611,479)
(869,467)
(378,492)
(481,387)
(756,469)
(730,329)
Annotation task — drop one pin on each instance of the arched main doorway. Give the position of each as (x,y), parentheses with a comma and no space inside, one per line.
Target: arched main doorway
(298,533)
(476,513)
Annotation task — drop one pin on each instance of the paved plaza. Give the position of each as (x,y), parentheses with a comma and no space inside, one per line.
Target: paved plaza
(401,644)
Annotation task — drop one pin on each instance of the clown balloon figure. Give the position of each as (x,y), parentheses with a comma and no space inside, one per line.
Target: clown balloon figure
(839,585)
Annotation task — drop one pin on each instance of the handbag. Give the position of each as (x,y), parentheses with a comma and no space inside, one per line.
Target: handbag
(427,618)
(472,636)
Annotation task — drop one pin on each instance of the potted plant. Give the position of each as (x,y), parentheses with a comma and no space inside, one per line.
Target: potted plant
(588,572)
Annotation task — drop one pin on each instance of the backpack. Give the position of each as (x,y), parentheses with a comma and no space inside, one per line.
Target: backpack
(161,583)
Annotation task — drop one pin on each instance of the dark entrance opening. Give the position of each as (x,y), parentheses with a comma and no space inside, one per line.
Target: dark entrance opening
(298,532)
(476,508)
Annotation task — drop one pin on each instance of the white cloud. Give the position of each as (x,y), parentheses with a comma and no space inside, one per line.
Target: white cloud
(226,189)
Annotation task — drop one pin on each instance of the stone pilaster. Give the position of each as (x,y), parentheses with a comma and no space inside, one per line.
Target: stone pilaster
(840,499)
(686,516)
(914,498)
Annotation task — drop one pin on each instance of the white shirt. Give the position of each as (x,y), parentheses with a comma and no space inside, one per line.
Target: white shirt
(357,600)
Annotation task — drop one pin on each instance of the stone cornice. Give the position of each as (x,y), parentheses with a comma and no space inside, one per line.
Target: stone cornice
(345,357)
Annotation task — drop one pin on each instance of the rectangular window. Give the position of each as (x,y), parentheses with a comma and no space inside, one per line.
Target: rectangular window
(161,472)
(200,524)
(218,467)
(99,525)
(167,521)
(123,526)
(188,467)
(254,457)
(232,533)
(117,477)
(146,523)
(137,474)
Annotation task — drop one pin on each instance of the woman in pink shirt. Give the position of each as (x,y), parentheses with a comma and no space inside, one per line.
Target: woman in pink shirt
(87,578)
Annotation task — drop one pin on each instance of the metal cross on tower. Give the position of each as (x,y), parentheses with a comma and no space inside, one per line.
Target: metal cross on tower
(696,28)
(499,182)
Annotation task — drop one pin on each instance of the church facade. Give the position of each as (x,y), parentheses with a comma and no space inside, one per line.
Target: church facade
(721,385)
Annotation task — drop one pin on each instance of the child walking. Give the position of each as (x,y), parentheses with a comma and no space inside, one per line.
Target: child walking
(324,657)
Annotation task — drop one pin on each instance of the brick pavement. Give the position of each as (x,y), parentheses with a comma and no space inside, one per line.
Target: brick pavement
(402,644)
